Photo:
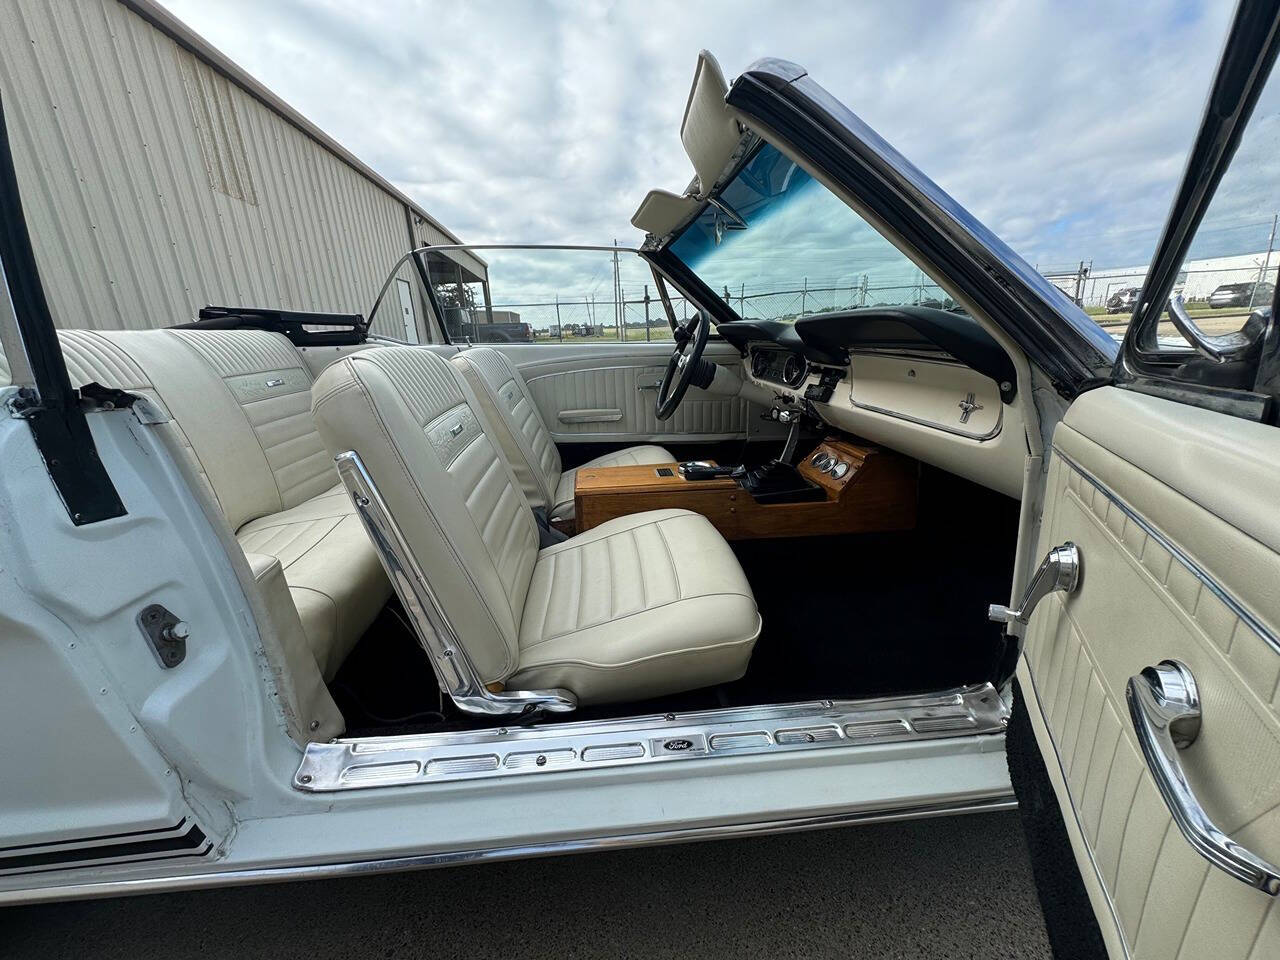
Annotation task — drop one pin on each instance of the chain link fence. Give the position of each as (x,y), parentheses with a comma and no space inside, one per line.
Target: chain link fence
(643,317)
(1224,290)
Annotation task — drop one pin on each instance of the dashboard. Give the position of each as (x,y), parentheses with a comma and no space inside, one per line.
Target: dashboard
(928,383)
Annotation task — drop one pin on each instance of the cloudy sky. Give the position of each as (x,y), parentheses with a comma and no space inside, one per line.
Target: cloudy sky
(1064,127)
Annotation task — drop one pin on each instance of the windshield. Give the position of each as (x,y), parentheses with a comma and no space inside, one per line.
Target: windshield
(778,245)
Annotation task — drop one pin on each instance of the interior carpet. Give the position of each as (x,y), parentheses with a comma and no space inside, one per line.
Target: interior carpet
(852,616)
(871,614)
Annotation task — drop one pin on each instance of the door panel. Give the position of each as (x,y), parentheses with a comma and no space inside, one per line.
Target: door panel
(1176,511)
(603,393)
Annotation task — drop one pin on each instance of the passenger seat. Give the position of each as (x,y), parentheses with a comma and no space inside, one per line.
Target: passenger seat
(523,437)
(648,604)
(241,407)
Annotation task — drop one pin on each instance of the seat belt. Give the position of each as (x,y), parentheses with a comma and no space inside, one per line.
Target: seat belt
(547,534)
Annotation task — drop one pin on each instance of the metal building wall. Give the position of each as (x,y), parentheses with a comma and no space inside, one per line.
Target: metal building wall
(154,185)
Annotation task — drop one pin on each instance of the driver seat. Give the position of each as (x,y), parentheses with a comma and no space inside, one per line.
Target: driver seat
(641,606)
(523,438)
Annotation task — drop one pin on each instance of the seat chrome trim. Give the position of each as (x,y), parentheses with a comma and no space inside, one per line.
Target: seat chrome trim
(361,762)
(454,671)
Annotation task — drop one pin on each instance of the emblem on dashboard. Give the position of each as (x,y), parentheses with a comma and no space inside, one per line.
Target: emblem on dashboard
(680,744)
(967,406)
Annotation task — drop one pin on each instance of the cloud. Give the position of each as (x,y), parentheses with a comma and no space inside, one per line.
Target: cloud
(1063,127)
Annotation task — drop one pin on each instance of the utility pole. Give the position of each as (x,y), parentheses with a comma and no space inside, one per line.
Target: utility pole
(559,329)
(617,291)
(646,313)
(1266,261)
(804,295)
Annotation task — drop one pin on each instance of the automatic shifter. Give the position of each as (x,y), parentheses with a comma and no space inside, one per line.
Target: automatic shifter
(778,481)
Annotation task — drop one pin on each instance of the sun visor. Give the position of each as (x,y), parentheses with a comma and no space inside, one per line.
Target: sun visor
(708,131)
(661,211)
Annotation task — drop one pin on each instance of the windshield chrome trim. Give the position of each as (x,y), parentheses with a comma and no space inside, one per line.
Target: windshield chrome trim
(599,248)
(436,247)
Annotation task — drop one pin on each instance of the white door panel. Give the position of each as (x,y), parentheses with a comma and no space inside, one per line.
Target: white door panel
(604,393)
(1175,512)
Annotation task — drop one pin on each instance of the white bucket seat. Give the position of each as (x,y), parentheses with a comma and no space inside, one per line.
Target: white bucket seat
(524,439)
(644,605)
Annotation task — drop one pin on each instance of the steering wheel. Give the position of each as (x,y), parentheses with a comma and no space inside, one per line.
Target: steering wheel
(686,365)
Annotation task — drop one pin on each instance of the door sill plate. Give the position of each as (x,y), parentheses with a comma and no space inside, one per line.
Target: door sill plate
(363,762)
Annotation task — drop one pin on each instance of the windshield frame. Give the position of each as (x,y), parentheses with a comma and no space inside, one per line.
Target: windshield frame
(780,102)
(685,283)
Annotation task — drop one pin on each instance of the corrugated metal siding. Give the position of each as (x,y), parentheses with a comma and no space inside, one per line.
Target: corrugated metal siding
(153,186)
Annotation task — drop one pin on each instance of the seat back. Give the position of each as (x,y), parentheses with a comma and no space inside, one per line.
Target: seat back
(240,401)
(270,383)
(517,425)
(239,406)
(420,431)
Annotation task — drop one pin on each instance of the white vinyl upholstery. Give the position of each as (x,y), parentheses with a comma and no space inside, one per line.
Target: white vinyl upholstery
(654,603)
(1174,511)
(516,426)
(334,576)
(240,407)
(621,610)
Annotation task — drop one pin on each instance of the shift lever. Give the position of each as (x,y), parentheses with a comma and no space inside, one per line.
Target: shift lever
(789,448)
(702,470)
(778,481)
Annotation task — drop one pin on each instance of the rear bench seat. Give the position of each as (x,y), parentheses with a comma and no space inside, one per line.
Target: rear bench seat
(241,406)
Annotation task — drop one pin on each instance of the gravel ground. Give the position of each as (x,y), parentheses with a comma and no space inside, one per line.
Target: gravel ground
(951,887)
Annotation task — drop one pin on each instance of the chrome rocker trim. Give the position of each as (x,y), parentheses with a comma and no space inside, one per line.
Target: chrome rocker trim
(994,802)
(454,671)
(362,762)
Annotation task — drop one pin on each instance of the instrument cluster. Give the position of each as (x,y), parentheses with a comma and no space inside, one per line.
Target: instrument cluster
(779,366)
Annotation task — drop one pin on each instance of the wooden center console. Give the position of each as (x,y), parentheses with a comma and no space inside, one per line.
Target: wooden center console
(875,490)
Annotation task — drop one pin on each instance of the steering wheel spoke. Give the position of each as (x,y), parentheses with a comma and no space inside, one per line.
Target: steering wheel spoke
(685,362)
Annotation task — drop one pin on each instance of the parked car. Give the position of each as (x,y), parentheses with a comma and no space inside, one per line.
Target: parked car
(1123,301)
(278,603)
(496,332)
(1250,294)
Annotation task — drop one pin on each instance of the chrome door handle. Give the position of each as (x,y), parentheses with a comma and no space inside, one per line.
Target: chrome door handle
(1060,570)
(656,385)
(1164,705)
